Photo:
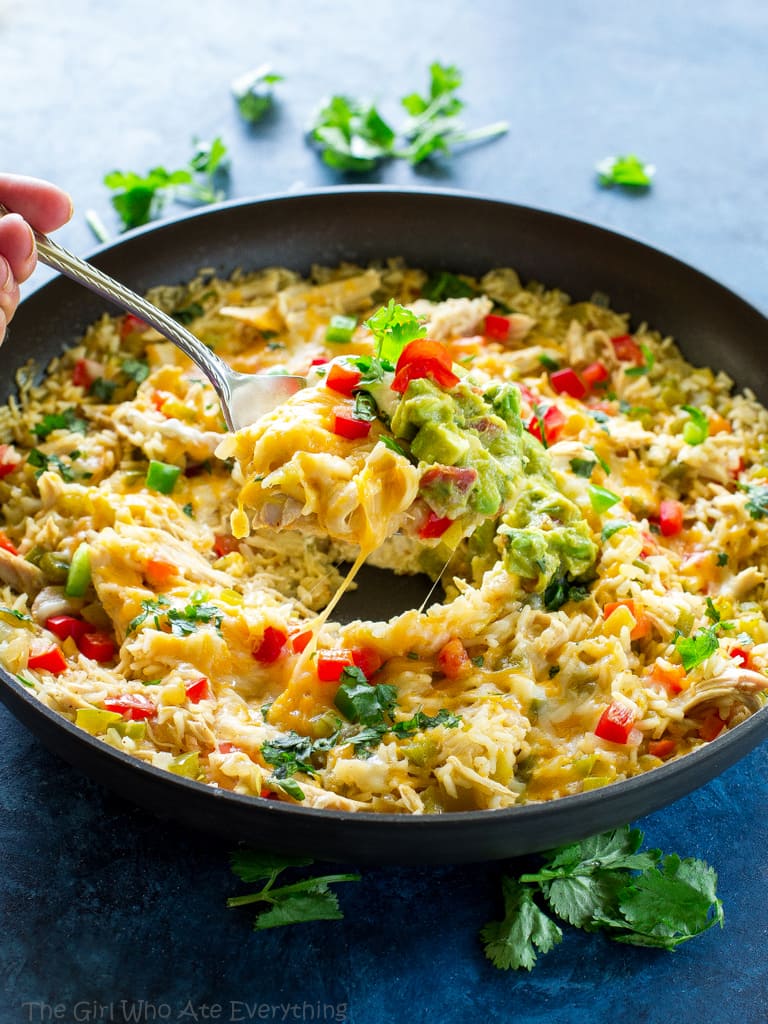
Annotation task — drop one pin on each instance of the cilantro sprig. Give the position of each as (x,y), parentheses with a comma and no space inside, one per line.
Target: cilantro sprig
(254,92)
(393,327)
(352,135)
(140,198)
(604,883)
(629,171)
(65,420)
(757,500)
(308,899)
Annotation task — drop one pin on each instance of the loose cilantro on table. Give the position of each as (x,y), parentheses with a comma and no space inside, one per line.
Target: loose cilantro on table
(604,883)
(352,135)
(309,899)
(254,92)
(629,171)
(139,198)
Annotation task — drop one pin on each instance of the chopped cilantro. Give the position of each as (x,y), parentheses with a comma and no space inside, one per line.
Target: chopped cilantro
(757,501)
(136,369)
(722,558)
(188,313)
(583,467)
(694,650)
(443,285)
(548,362)
(562,589)
(628,171)
(365,407)
(188,510)
(420,721)
(43,463)
(103,389)
(66,420)
(254,93)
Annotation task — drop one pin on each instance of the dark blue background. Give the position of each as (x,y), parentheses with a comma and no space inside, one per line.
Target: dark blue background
(101,903)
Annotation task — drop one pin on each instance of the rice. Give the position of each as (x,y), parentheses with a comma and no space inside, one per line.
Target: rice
(200,632)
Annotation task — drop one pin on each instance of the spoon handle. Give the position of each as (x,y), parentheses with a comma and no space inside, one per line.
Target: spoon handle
(58,258)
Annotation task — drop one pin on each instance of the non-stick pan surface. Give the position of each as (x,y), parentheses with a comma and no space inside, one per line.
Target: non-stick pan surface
(435,230)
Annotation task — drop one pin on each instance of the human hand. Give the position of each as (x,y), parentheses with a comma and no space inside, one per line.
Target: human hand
(36,203)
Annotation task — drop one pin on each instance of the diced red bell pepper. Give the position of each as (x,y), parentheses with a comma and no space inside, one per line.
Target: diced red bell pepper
(737,470)
(319,361)
(132,325)
(6,544)
(268,794)
(671,517)
(96,645)
(595,373)
(453,660)
(9,459)
(271,647)
(627,350)
(65,626)
(741,656)
(367,660)
(342,380)
(52,660)
(424,358)
(330,665)
(554,421)
(434,526)
(85,372)
(225,747)
(197,691)
(496,327)
(616,723)
(133,706)
(223,545)
(711,726)
(345,424)
(299,641)
(567,382)
(662,748)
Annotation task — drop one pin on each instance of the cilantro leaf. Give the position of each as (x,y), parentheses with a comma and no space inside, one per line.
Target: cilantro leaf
(606,882)
(694,650)
(393,327)
(138,198)
(136,369)
(43,463)
(757,501)
(583,467)
(66,420)
(669,905)
(420,721)
(433,127)
(628,171)
(443,285)
(298,908)
(188,313)
(253,865)
(363,703)
(351,136)
(309,899)
(253,92)
(513,942)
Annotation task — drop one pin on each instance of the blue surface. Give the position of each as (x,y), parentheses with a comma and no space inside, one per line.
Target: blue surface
(112,915)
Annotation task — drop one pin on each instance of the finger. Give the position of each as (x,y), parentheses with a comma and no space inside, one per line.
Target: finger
(2,326)
(45,206)
(17,245)
(9,292)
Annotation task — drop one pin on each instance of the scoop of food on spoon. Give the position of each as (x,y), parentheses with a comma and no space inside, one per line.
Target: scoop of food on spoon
(244,397)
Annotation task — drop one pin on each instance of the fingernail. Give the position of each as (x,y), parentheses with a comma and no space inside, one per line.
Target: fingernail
(31,242)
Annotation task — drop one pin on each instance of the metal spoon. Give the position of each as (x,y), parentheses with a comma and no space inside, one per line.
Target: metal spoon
(243,396)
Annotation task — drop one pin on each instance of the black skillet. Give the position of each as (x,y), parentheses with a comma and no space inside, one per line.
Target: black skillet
(435,230)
